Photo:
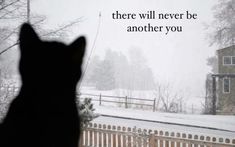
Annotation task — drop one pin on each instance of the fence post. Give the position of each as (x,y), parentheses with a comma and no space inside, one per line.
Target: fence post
(154,104)
(126,102)
(100,99)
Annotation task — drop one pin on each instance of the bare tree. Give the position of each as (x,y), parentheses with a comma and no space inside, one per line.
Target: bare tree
(167,100)
(223,26)
(12,14)
(15,12)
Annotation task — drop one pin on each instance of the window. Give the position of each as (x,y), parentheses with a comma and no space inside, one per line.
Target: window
(226,85)
(233,60)
(229,60)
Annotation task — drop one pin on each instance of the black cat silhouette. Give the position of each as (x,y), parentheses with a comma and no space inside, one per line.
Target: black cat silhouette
(44,114)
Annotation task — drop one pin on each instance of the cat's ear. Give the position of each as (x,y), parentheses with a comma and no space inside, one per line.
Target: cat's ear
(28,37)
(77,48)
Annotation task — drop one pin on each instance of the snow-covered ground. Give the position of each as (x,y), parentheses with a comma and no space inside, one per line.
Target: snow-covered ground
(214,126)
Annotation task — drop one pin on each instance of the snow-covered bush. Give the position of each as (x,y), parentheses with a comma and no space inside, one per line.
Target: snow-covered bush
(86,112)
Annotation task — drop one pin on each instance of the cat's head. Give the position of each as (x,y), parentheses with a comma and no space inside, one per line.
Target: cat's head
(49,62)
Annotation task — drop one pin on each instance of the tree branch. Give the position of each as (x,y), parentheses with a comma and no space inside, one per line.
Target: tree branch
(9,12)
(3,51)
(9,35)
(62,28)
(50,33)
(4,7)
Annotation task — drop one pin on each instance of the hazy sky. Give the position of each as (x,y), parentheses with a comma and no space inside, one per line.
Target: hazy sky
(177,58)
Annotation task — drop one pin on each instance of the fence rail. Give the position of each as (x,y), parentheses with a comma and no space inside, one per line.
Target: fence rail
(102,99)
(98,135)
(127,101)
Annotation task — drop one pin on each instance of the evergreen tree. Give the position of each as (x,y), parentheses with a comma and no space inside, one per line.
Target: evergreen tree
(115,71)
(103,74)
(91,76)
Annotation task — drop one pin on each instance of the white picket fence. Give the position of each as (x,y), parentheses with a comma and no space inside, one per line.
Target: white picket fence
(97,135)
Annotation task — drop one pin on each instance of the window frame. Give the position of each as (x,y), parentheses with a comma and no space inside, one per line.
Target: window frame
(226,64)
(229,84)
(231,60)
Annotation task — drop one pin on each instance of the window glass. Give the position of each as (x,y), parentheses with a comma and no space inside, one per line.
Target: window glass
(226,85)
(227,60)
(233,60)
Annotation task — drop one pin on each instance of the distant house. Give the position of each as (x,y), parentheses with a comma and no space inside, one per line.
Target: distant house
(226,83)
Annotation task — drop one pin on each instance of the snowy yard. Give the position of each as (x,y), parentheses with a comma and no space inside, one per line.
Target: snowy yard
(215,126)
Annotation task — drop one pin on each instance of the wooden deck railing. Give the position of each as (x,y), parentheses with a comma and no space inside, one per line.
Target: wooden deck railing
(97,135)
